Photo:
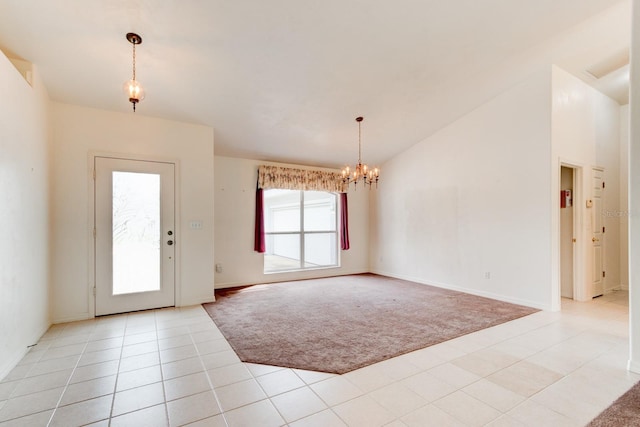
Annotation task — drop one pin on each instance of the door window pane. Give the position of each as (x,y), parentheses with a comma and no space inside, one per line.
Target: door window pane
(136,232)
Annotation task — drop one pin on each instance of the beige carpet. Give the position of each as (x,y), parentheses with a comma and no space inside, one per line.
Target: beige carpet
(344,323)
(625,411)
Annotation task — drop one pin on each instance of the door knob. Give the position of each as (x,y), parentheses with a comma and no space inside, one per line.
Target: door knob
(170,242)
(593,239)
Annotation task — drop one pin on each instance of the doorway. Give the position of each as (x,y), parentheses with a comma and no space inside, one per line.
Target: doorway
(567,234)
(134,205)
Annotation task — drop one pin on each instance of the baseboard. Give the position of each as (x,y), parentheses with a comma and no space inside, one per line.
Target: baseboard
(18,355)
(198,300)
(633,366)
(613,289)
(226,285)
(15,359)
(491,295)
(74,318)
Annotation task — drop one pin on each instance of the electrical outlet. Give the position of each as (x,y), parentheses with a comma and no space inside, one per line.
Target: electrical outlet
(487,275)
(218,268)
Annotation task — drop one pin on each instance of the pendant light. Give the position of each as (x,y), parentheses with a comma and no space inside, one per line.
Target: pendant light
(132,88)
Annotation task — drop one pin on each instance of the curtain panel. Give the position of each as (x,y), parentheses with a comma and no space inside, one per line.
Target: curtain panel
(344,223)
(259,242)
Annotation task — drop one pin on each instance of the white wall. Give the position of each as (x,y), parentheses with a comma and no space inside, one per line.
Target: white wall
(474,199)
(79,131)
(624,197)
(24,213)
(586,134)
(235,191)
(634,195)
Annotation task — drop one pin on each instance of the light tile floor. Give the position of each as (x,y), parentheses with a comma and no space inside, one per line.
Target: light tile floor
(173,367)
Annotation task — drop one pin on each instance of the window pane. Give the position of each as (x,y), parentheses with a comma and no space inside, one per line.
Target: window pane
(281,210)
(282,252)
(319,211)
(136,232)
(320,249)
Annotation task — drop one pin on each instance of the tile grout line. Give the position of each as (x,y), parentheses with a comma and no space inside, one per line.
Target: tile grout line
(68,381)
(115,386)
(164,391)
(206,373)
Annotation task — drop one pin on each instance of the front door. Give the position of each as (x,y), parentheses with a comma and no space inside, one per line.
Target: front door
(134,235)
(598,231)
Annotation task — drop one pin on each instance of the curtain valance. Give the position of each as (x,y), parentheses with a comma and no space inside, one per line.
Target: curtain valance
(300,179)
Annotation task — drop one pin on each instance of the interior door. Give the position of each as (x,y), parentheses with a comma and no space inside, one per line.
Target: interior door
(598,231)
(134,235)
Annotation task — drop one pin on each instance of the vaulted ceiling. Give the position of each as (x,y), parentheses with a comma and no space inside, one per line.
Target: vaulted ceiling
(284,79)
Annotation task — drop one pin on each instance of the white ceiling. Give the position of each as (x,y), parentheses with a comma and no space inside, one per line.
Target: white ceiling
(284,79)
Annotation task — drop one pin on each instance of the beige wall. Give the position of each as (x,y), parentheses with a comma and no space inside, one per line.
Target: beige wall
(24,213)
(235,215)
(586,134)
(624,197)
(469,207)
(80,132)
(634,195)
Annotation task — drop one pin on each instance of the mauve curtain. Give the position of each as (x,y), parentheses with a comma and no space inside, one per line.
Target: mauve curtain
(344,222)
(259,245)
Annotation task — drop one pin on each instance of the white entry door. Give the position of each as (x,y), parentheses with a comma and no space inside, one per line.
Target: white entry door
(134,235)
(597,238)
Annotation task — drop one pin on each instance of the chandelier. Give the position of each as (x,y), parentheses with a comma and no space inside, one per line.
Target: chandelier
(361,172)
(132,88)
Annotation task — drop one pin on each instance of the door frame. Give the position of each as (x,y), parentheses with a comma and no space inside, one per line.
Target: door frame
(594,215)
(581,284)
(91,221)
(574,247)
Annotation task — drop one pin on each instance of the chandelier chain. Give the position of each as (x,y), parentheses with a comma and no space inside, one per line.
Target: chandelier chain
(359,142)
(134,61)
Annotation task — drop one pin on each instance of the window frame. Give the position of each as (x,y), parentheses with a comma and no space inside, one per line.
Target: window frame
(302,233)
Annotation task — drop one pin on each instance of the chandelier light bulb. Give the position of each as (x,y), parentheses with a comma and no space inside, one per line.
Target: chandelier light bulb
(134,90)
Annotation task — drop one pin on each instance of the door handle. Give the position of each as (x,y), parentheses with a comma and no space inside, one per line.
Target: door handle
(593,239)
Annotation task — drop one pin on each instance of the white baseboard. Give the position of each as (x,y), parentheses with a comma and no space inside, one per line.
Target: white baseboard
(491,295)
(13,361)
(19,354)
(198,300)
(74,318)
(633,366)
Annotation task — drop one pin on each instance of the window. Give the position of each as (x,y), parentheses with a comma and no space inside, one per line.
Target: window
(300,230)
